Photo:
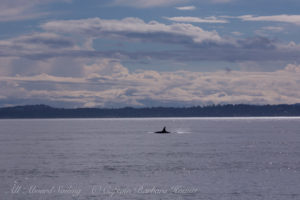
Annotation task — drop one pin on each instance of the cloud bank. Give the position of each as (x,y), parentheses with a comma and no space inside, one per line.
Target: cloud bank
(293,19)
(197,19)
(75,38)
(186,8)
(160,3)
(132,28)
(107,83)
(146,3)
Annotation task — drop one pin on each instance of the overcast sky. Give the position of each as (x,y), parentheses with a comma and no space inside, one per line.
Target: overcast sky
(141,53)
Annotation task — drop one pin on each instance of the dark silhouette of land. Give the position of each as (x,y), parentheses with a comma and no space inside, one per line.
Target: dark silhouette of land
(241,110)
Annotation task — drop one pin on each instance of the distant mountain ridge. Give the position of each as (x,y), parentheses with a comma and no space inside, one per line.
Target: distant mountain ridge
(239,110)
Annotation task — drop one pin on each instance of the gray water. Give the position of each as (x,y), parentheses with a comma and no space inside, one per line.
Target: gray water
(209,159)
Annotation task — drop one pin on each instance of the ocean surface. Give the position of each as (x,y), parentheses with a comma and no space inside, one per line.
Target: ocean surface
(98,159)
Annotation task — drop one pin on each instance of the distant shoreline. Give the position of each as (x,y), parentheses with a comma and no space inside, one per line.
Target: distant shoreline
(163,118)
(240,110)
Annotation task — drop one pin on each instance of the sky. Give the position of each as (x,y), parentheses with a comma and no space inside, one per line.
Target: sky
(142,53)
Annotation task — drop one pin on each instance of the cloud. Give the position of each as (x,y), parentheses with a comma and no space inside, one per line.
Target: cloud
(293,68)
(106,68)
(15,10)
(186,8)
(65,40)
(273,28)
(35,43)
(68,39)
(147,3)
(112,85)
(197,19)
(265,31)
(38,47)
(258,49)
(294,19)
(237,33)
(160,3)
(133,28)
(199,44)
(221,1)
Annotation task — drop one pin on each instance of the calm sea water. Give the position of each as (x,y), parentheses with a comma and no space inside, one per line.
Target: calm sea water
(209,159)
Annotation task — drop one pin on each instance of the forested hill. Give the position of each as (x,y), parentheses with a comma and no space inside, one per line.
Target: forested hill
(241,110)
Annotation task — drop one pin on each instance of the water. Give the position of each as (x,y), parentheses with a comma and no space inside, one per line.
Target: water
(208,158)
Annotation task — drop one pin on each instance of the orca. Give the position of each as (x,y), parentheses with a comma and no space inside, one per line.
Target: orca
(164,131)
